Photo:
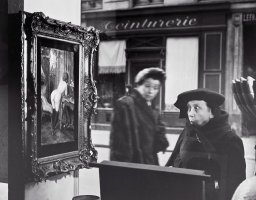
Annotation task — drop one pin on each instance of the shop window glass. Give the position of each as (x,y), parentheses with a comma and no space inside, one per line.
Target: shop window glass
(91,5)
(249,69)
(110,88)
(181,68)
(146,2)
(249,51)
(112,58)
(112,68)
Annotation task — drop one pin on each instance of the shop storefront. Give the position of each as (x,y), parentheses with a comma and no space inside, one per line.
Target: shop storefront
(249,41)
(249,62)
(188,42)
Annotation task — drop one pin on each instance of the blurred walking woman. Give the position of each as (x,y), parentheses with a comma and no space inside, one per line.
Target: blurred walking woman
(137,133)
(56,97)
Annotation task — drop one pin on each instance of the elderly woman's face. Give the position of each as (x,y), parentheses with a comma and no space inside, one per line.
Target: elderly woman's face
(149,88)
(199,113)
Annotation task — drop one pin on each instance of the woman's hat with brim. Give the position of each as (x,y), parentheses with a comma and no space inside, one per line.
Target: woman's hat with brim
(152,72)
(213,99)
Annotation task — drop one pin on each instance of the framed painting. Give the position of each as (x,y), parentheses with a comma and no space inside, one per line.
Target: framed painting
(58,95)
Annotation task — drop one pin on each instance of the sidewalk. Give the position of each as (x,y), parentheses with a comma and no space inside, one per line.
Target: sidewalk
(100,139)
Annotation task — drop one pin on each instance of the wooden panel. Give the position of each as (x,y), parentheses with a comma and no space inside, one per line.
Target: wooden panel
(212,81)
(126,181)
(213,51)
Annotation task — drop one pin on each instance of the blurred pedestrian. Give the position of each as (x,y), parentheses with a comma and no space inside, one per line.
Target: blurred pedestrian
(137,133)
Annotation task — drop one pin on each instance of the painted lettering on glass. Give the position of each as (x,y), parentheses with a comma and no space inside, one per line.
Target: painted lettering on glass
(150,23)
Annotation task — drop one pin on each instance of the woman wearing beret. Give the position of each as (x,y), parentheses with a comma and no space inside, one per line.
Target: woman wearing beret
(208,143)
(137,133)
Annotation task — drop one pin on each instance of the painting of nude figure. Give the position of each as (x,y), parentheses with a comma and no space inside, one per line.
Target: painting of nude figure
(57,96)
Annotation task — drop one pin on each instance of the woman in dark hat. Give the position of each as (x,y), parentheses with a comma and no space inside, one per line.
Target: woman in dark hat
(208,143)
(137,133)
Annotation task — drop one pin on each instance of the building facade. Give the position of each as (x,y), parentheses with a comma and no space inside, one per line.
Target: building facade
(200,44)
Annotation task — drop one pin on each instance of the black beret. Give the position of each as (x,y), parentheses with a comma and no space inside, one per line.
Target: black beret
(150,72)
(213,99)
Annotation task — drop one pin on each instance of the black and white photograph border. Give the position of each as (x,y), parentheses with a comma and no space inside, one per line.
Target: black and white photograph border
(102,45)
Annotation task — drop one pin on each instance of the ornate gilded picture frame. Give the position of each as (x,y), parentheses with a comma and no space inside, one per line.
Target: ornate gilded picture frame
(58,95)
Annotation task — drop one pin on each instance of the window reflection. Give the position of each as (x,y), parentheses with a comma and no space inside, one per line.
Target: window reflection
(110,88)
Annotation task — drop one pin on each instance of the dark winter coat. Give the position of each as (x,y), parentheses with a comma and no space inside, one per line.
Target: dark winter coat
(137,133)
(214,148)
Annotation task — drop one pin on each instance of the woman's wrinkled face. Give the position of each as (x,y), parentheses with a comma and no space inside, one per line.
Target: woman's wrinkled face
(149,88)
(199,113)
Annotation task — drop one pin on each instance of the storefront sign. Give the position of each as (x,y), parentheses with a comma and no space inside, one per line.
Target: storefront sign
(156,22)
(249,17)
(148,23)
